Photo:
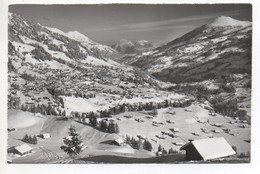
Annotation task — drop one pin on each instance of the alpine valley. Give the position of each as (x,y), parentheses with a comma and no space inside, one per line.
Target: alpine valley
(131,102)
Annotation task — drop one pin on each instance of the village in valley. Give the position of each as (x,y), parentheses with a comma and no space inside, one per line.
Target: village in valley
(70,102)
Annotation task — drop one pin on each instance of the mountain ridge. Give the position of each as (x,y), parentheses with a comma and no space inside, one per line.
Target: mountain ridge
(196,48)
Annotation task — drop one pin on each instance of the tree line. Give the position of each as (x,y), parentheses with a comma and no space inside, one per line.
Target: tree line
(29,139)
(15,103)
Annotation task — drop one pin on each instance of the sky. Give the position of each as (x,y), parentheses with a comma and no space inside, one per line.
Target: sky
(109,23)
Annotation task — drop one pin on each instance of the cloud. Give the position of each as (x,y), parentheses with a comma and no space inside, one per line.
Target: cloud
(186,22)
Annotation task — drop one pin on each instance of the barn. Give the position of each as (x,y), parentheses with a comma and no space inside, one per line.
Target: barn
(207,149)
(21,150)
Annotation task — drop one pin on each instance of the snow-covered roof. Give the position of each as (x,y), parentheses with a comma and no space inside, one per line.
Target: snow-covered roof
(23,148)
(211,148)
(119,140)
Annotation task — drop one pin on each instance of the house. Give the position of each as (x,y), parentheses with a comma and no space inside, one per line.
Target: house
(21,150)
(38,114)
(178,143)
(175,130)
(46,136)
(117,142)
(218,124)
(207,149)
(188,110)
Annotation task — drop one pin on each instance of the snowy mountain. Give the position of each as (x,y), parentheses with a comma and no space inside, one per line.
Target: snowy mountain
(211,51)
(224,21)
(101,50)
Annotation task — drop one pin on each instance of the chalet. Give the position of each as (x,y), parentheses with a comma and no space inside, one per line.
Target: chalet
(175,130)
(231,122)
(242,126)
(205,130)
(216,131)
(29,102)
(21,150)
(45,135)
(226,130)
(202,121)
(38,114)
(210,135)
(117,142)
(171,112)
(178,143)
(188,110)
(160,136)
(141,137)
(208,149)
(218,124)
(169,121)
(213,114)
(195,133)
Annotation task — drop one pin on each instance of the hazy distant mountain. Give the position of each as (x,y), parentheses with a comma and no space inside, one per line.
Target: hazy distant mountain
(211,51)
(127,47)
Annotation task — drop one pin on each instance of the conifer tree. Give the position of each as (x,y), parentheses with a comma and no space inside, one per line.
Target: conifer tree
(159,148)
(30,140)
(116,128)
(25,138)
(73,144)
(103,125)
(34,139)
(147,145)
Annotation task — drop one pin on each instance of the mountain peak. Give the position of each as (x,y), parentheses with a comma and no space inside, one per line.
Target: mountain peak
(224,21)
(78,36)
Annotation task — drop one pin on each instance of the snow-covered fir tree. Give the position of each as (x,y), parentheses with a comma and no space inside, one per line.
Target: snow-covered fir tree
(73,144)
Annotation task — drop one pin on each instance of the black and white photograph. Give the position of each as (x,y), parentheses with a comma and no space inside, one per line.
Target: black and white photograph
(129,83)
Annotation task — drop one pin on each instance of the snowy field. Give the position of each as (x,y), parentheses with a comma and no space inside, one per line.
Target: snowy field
(183,124)
(188,126)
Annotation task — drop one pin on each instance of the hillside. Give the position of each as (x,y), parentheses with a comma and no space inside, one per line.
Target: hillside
(212,63)
(212,51)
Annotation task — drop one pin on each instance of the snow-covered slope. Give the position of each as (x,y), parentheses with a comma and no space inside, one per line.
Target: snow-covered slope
(78,37)
(102,50)
(210,51)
